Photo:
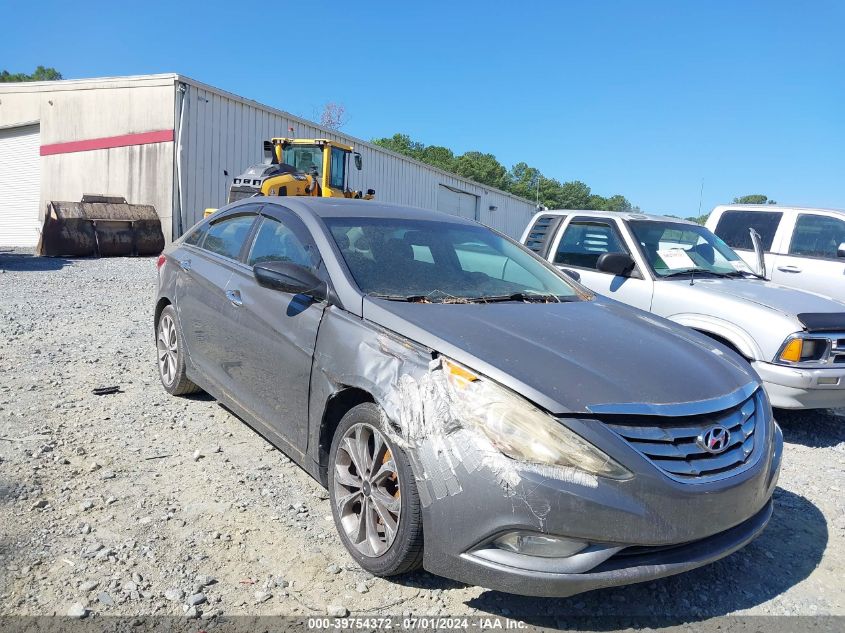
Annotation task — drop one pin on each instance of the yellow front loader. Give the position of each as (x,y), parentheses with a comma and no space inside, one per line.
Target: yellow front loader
(300,167)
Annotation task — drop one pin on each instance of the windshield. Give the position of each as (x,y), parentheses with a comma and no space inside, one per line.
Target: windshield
(305,158)
(442,262)
(672,248)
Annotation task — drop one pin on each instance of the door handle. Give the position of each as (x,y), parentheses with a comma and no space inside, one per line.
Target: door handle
(789,269)
(235,297)
(185,264)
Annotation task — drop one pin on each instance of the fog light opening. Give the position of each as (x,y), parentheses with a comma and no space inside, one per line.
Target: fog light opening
(543,545)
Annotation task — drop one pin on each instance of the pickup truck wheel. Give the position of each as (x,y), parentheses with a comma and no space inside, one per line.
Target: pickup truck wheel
(374,498)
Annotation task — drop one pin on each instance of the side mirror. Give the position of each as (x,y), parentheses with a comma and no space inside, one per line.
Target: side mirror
(358,162)
(572,274)
(292,278)
(840,252)
(620,264)
(757,241)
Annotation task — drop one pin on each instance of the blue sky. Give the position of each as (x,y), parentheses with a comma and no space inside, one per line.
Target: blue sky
(639,98)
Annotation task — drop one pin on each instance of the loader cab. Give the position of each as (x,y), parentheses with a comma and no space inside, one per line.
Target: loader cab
(328,161)
(305,158)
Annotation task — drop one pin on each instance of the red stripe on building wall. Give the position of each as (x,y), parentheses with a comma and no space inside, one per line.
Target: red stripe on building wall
(125,140)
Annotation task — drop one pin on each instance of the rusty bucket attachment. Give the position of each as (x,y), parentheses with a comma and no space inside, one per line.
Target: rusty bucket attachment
(104,226)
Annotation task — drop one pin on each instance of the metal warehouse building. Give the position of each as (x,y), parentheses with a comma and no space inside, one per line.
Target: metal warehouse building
(175,143)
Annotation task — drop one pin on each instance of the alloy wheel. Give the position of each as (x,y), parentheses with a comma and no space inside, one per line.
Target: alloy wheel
(366,490)
(167,349)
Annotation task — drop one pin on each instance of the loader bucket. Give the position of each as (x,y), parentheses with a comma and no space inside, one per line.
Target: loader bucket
(104,226)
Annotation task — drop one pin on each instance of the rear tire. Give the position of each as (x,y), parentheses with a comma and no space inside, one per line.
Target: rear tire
(170,355)
(375,504)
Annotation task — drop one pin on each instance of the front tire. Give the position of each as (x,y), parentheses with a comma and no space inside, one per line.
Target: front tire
(171,355)
(375,504)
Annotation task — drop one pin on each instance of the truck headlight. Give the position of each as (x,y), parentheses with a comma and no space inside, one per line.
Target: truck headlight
(522,431)
(801,349)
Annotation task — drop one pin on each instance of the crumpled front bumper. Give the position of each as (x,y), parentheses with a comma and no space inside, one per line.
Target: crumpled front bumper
(666,526)
(799,388)
(646,564)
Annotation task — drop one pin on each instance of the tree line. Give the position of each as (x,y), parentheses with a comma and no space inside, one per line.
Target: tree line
(40,74)
(521,179)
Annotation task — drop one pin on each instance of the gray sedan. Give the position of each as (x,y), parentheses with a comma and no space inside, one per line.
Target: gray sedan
(469,408)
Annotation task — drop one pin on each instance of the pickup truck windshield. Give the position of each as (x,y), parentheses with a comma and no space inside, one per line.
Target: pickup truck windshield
(443,262)
(672,248)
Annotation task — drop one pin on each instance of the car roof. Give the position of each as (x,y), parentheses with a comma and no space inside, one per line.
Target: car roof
(624,215)
(351,208)
(774,207)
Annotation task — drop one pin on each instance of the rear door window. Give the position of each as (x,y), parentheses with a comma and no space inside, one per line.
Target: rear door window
(734,228)
(584,242)
(226,237)
(817,236)
(196,236)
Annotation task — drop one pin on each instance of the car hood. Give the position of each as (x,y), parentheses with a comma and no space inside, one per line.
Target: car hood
(789,301)
(569,357)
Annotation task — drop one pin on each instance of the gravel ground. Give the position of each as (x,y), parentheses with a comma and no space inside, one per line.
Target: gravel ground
(138,503)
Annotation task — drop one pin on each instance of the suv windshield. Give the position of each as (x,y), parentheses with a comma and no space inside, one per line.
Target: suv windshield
(672,248)
(443,262)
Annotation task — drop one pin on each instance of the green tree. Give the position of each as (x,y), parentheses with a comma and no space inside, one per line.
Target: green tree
(619,203)
(483,168)
(438,156)
(701,219)
(402,144)
(550,193)
(597,202)
(40,74)
(613,203)
(574,195)
(755,198)
(521,179)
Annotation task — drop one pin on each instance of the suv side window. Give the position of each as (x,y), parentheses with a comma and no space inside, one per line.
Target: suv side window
(226,236)
(733,228)
(817,236)
(276,242)
(585,240)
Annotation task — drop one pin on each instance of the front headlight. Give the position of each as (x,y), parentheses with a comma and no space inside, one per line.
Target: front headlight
(522,431)
(802,349)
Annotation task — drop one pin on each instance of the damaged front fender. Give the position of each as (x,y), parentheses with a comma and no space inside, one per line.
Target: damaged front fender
(423,413)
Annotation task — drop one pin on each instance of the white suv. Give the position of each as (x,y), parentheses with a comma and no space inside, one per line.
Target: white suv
(805,248)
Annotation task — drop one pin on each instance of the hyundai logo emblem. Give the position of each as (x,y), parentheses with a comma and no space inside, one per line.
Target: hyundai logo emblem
(714,440)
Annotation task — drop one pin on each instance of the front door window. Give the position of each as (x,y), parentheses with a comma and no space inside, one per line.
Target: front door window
(817,236)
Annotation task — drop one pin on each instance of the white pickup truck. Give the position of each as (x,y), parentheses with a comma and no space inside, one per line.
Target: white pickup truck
(676,269)
(805,248)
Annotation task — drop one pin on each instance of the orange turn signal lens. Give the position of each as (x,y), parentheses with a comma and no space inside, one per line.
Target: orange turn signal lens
(792,352)
(459,376)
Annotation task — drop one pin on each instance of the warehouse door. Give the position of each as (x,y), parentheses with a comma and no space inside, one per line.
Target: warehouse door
(20,186)
(457,202)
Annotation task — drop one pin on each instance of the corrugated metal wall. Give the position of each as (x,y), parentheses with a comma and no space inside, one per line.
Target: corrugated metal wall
(222,135)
